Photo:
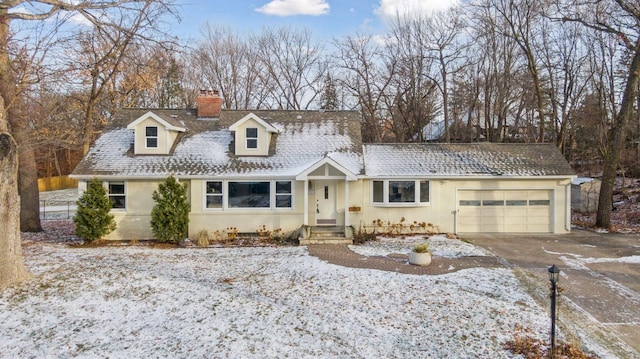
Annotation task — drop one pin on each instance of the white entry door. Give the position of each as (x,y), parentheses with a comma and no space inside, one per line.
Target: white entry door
(326,213)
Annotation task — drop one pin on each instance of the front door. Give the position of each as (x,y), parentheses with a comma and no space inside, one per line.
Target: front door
(325,192)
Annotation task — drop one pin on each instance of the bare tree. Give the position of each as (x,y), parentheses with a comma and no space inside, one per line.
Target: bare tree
(619,19)
(497,74)
(443,35)
(523,19)
(103,50)
(366,74)
(291,67)
(564,59)
(228,62)
(413,104)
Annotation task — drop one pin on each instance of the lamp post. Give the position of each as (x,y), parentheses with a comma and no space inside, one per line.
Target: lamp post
(554,275)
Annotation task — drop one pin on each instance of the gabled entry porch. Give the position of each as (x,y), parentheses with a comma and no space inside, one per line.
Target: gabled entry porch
(326,203)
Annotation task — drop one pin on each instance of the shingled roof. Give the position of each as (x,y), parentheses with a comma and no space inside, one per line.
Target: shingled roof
(303,139)
(469,159)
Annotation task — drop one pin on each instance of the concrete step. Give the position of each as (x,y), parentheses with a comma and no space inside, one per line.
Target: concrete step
(325,240)
(326,235)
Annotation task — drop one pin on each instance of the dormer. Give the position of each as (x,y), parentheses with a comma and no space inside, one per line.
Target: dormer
(155,134)
(252,136)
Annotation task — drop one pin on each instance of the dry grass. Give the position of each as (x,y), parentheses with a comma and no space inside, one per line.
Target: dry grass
(531,348)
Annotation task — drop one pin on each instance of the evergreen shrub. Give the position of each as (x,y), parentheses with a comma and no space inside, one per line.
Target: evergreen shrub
(93,218)
(170,214)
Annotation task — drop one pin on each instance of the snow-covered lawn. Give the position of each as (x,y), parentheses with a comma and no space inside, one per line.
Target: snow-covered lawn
(139,302)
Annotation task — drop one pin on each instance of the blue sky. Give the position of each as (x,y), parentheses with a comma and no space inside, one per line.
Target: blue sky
(326,18)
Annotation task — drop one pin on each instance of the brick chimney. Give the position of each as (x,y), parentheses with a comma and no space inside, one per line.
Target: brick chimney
(209,104)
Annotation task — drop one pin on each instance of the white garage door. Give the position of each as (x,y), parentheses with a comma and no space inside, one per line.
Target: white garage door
(504,211)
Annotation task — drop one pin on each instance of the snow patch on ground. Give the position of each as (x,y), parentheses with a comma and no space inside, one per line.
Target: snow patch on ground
(630,259)
(579,261)
(439,245)
(136,301)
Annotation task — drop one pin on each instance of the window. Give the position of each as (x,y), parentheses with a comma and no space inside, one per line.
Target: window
(424,191)
(283,194)
(402,191)
(470,202)
(117,195)
(492,202)
(249,195)
(214,194)
(539,202)
(252,138)
(393,192)
(378,191)
(151,136)
(516,202)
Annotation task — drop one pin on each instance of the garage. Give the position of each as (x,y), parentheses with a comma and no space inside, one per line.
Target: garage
(504,211)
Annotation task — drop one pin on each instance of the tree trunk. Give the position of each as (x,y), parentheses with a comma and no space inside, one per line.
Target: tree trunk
(28,189)
(12,268)
(17,119)
(605,198)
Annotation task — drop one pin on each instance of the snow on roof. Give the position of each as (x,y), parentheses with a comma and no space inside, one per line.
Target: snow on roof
(469,159)
(206,149)
(303,139)
(581,180)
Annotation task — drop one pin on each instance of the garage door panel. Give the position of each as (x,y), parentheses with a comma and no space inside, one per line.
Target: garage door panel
(515,195)
(538,221)
(492,211)
(538,211)
(492,227)
(492,195)
(538,195)
(515,220)
(513,227)
(516,212)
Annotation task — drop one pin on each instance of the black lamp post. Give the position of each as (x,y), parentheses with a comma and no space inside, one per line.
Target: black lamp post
(554,275)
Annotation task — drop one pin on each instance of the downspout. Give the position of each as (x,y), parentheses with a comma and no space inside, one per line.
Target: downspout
(567,210)
(305,218)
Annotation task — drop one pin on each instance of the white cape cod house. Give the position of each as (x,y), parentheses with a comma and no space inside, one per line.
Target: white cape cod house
(289,170)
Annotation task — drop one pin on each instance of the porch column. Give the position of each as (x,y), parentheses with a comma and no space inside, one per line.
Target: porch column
(346,202)
(305,219)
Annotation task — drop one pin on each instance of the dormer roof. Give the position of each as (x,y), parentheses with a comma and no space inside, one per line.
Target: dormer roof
(168,122)
(251,116)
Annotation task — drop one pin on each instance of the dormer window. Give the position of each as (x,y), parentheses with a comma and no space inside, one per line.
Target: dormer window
(252,138)
(155,134)
(151,136)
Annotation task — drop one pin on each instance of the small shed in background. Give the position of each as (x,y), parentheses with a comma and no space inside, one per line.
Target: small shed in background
(584,194)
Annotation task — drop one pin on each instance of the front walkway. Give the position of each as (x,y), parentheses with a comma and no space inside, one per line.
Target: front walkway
(341,255)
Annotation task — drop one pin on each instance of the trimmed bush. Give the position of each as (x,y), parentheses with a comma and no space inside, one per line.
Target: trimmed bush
(93,218)
(170,214)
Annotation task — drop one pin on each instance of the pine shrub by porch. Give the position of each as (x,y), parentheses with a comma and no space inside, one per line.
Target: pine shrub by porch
(92,219)
(170,214)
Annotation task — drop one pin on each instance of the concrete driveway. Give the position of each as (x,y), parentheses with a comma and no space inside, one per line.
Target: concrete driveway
(600,278)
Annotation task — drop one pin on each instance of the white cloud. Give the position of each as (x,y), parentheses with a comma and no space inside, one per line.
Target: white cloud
(295,7)
(391,9)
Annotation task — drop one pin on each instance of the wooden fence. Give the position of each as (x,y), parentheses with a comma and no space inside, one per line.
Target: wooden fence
(56,183)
